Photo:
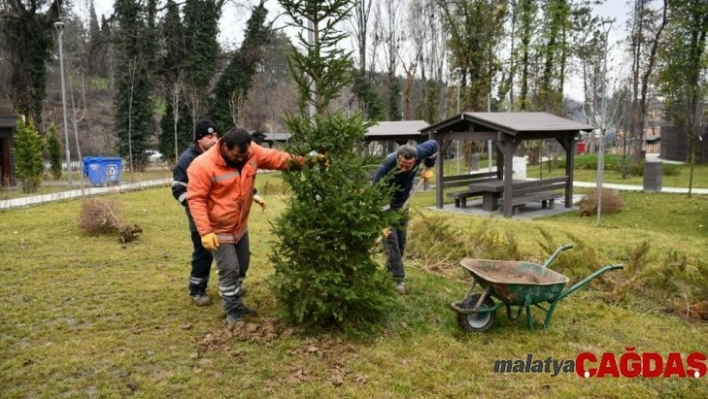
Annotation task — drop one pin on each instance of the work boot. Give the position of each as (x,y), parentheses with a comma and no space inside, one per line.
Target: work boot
(236,314)
(401,287)
(246,311)
(234,317)
(201,300)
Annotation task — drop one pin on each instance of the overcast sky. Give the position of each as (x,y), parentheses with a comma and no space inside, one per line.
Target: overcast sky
(234,19)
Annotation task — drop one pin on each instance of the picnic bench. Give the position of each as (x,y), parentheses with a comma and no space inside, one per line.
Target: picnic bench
(543,191)
(460,197)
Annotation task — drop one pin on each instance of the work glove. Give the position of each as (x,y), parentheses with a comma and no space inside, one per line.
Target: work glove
(314,158)
(260,201)
(427,175)
(210,242)
(386,232)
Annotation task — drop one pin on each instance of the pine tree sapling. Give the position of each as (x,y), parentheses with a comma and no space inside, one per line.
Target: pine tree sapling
(54,149)
(324,271)
(28,156)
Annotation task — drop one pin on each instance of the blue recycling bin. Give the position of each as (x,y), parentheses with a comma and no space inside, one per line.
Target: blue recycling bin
(102,171)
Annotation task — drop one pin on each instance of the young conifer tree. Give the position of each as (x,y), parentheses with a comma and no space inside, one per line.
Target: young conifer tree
(324,271)
(54,149)
(28,156)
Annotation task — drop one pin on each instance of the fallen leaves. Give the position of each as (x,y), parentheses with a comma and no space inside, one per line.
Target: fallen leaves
(325,356)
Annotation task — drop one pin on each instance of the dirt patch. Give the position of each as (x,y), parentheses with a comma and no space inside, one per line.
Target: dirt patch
(333,353)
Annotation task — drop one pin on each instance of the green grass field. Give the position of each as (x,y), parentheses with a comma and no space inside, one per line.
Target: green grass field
(91,317)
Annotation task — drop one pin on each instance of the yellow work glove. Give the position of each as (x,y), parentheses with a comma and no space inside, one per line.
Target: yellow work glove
(210,242)
(386,232)
(427,174)
(313,158)
(260,201)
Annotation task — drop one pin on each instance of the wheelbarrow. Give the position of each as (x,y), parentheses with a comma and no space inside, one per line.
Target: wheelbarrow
(514,283)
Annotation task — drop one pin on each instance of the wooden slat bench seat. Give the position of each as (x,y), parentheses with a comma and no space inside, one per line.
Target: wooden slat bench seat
(543,191)
(460,197)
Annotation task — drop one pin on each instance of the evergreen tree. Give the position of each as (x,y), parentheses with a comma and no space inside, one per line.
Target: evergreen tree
(234,84)
(324,271)
(394,99)
(201,27)
(27,152)
(54,149)
(132,98)
(176,128)
(95,42)
(368,97)
(28,27)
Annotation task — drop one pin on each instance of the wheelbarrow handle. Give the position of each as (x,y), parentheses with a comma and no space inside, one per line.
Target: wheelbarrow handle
(587,280)
(556,253)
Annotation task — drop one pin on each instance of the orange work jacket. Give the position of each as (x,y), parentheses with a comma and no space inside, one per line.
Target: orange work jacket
(220,197)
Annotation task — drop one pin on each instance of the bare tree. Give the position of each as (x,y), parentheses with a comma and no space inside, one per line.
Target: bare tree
(362,12)
(646,34)
(393,37)
(377,38)
(236,102)
(196,106)
(132,66)
(78,113)
(176,92)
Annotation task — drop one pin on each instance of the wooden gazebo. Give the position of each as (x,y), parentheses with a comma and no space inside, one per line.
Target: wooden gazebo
(399,132)
(507,130)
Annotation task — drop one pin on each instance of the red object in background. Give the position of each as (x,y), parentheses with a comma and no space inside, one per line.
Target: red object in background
(580,148)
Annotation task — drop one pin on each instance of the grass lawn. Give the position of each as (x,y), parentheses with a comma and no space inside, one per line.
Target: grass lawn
(91,317)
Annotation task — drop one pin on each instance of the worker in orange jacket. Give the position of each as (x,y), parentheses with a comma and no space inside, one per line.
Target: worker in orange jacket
(220,194)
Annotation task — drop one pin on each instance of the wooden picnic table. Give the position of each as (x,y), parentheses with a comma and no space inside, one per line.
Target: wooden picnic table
(491,190)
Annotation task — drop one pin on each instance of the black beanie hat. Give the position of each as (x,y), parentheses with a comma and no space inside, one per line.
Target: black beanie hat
(204,127)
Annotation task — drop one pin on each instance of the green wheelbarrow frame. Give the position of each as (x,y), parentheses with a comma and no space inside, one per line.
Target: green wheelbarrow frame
(514,283)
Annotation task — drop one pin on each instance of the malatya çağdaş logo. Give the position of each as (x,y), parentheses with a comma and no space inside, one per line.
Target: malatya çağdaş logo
(629,364)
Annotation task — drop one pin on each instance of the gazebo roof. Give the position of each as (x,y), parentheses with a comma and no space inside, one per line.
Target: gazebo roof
(396,130)
(279,137)
(511,123)
(381,131)
(8,121)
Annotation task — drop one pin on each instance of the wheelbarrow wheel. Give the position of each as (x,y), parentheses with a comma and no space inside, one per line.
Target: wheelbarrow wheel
(471,322)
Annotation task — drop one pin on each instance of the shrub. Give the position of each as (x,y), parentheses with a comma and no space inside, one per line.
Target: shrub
(440,247)
(435,243)
(670,169)
(100,216)
(54,149)
(611,202)
(576,263)
(28,156)
(489,242)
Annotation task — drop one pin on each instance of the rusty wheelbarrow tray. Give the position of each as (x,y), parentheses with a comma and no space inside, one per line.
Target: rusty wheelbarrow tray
(514,283)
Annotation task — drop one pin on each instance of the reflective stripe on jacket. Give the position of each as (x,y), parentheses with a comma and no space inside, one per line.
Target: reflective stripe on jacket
(220,196)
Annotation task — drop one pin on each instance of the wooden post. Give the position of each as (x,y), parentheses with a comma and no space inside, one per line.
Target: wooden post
(438,171)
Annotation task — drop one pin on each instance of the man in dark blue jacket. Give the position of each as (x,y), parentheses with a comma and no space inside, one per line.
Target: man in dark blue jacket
(205,136)
(404,164)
